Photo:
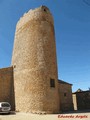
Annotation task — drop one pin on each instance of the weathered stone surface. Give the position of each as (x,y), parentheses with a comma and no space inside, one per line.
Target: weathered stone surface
(7,86)
(65,94)
(34,61)
(81,100)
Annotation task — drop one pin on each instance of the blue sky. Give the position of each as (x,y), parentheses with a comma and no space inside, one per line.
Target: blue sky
(72,32)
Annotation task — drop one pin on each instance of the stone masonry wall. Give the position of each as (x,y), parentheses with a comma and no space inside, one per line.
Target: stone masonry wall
(7,86)
(65,94)
(34,61)
(82,100)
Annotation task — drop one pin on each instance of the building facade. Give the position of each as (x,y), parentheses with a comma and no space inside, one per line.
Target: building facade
(34,61)
(7,86)
(65,94)
(81,100)
(31,84)
(7,91)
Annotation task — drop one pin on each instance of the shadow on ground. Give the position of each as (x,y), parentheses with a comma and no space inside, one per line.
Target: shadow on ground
(11,113)
(76,111)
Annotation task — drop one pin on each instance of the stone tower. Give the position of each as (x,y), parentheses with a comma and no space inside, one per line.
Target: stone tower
(34,61)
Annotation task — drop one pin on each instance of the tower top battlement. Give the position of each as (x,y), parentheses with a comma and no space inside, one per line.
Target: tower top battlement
(41,14)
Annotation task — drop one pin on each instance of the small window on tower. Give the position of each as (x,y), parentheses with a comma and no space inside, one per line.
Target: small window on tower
(65,94)
(44,10)
(52,83)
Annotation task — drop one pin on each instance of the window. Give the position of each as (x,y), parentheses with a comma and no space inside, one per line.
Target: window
(52,83)
(44,10)
(65,94)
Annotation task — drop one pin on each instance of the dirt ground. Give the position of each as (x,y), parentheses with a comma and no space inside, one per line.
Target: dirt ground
(28,116)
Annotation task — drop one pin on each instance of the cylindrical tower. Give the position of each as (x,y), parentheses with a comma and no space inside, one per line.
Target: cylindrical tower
(34,61)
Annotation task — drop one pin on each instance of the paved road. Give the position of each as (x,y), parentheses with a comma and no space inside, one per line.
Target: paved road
(28,116)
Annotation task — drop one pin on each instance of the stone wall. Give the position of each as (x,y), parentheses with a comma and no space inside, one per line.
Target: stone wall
(35,64)
(74,101)
(7,86)
(82,99)
(65,94)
